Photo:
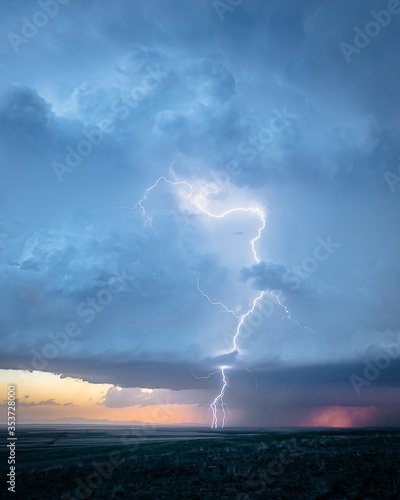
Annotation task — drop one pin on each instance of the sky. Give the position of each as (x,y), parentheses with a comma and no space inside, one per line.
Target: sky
(145,145)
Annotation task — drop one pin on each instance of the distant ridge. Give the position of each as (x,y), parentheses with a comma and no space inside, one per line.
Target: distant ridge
(94,421)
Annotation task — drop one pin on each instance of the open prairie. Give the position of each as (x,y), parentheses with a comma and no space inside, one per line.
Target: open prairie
(163,463)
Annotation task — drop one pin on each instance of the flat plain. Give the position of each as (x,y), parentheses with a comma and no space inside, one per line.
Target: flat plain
(72,462)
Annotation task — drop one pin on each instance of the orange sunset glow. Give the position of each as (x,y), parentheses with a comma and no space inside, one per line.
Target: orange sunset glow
(49,396)
(339,416)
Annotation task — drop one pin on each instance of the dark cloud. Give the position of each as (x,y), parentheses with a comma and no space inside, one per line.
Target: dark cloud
(48,402)
(271,276)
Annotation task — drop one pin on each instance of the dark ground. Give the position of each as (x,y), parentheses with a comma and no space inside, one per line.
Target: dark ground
(110,463)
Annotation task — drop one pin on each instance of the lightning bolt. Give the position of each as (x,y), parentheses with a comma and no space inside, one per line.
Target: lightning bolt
(206,376)
(287,314)
(216,303)
(255,381)
(197,204)
(162,178)
(255,301)
(219,400)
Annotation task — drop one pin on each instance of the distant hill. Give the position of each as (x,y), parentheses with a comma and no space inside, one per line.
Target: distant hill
(91,421)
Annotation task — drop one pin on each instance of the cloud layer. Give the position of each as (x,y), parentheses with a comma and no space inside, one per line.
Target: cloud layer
(264,111)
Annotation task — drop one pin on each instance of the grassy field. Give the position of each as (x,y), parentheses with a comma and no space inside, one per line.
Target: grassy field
(317,464)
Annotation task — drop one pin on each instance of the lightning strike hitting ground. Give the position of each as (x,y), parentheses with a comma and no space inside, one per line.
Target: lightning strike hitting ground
(219,398)
(260,213)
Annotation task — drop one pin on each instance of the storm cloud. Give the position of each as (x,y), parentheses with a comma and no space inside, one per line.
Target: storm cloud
(263,108)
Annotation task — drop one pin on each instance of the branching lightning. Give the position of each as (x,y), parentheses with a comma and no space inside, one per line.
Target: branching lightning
(196,202)
(206,376)
(255,381)
(216,303)
(289,317)
(255,301)
(219,399)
